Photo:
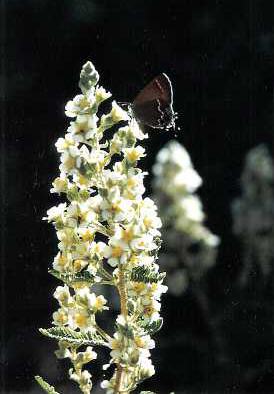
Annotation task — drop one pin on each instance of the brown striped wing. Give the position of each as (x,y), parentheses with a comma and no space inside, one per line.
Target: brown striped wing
(159,88)
(153,105)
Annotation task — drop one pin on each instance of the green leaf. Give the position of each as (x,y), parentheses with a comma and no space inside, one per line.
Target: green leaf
(147,275)
(75,337)
(70,278)
(45,386)
(151,327)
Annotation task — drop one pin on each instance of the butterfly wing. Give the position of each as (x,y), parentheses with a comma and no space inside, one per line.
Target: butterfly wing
(152,114)
(153,105)
(159,88)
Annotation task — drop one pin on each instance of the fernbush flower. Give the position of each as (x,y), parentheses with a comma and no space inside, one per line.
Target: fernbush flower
(108,234)
(190,247)
(253,214)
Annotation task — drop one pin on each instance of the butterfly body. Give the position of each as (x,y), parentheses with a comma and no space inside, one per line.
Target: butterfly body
(153,105)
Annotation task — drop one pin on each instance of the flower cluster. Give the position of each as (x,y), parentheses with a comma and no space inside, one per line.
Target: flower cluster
(253,213)
(190,246)
(108,235)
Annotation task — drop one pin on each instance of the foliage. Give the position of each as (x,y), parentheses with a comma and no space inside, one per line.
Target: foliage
(45,386)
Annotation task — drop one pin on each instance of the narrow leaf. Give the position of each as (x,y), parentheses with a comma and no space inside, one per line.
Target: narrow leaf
(45,386)
(151,327)
(147,275)
(70,278)
(75,337)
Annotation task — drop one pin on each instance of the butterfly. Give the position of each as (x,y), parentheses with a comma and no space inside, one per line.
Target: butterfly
(153,105)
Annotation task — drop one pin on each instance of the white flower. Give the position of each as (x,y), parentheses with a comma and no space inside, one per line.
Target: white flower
(63,144)
(72,214)
(145,259)
(86,233)
(94,203)
(101,94)
(146,290)
(134,187)
(117,208)
(117,113)
(95,156)
(97,249)
(137,289)
(150,308)
(81,250)
(60,184)
(136,130)
(116,344)
(90,300)
(89,354)
(79,318)
(84,127)
(188,179)
(149,218)
(60,317)
(62,262)
(83,378)
(193,208)
(116,252)
(63,296)
(134,154)
(66,237)
(145,242)
(113,177)
(175,153)
(121,320)
(149,204)
(144,342)
(63,350)
(87,215)
(146,368)
(157,289)
(56,213)
(81,104)
(109,386)
(69,162)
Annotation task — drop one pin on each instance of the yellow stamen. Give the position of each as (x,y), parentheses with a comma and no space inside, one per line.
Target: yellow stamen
(87,236)
(80,320)
(117,251)
(147,221)
(127,235)
(139,342)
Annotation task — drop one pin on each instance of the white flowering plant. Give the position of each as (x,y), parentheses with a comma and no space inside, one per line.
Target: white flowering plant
(108,234)
(190,247)
(253,214)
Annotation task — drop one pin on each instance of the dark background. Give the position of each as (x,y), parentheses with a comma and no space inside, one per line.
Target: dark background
(219,56)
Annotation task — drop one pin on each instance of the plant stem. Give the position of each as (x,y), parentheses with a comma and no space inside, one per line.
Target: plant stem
(122,293)
(102,332)
(124,311)
(119,376)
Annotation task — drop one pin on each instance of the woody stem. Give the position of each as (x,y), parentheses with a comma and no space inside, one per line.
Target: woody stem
(124,311)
